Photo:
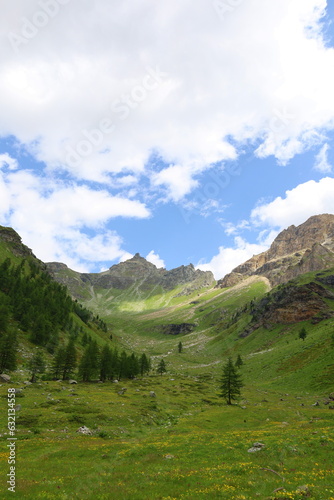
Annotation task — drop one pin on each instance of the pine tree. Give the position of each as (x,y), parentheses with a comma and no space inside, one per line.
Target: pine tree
(180,347)
(144,364)
(133,366)
(303,333)
(230,383)
(123,365)
(70,360)
(161,367)
(239,361)
(36,365)
(8,350)
(106,362)
(89,363)
(58,362)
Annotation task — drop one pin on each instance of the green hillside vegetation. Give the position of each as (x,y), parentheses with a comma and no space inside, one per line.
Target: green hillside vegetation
(169,434)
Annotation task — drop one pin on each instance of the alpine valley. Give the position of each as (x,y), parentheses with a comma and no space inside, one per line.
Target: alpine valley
(118,375)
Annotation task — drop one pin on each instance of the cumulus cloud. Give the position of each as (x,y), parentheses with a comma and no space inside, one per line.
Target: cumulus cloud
(58,219)
(229,258)
(321,160)
(155,259)
(300,203)
(108,82)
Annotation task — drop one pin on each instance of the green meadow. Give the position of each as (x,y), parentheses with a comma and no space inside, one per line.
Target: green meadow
(173,436)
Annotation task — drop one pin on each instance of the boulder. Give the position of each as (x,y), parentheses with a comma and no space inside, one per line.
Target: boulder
(256,447)
(84,430)
(4,377)
(71,381)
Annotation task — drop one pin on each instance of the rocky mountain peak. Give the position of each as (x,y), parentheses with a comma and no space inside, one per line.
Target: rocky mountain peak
(295,250)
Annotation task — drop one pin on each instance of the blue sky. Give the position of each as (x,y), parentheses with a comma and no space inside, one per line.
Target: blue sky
(188,132)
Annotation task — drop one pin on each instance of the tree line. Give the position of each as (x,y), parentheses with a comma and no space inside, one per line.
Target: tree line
(104,364)
(30,300)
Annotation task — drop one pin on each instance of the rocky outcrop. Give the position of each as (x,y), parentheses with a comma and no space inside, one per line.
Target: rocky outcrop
(296,250)
(176,329)
(290,304)
(15,245)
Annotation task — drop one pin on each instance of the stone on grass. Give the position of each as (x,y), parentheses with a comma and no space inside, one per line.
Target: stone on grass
(84,430)
(256,447)
(4,377)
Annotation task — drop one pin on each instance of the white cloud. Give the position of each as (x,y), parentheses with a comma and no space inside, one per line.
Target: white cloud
(321,160)
(297,206)
(7,161)
(114,81)
(65,222)
(155,259)
(229,258)
(177,179)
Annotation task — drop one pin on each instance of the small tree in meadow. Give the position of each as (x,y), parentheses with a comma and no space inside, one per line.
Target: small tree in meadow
(239,361)
(36,365)
(180,346)
(161,367)
(230,383)
(303,333)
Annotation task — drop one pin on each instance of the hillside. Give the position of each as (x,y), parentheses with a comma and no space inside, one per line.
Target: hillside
(172,436)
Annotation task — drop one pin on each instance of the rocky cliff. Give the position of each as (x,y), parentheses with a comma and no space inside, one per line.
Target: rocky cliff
(295,251)
(135,272)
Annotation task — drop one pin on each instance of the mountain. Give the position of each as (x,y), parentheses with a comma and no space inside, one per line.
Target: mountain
(295,251)
(136,273)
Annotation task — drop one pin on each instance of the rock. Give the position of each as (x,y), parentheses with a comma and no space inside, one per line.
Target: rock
(256,447)
(26,382)
(316,404)
(304,490)
(115,381)
(18,407)
(4,377)
(122,391)
(176,329)
(169,457)
(71,381)
(84,430)
(153,394)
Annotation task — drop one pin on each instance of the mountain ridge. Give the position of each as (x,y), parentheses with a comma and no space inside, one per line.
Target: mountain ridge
(136,271)
(295,250)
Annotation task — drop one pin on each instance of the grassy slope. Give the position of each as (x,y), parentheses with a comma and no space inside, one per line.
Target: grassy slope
(186,443)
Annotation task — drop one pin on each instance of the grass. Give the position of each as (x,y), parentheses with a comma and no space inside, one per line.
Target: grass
(185,443)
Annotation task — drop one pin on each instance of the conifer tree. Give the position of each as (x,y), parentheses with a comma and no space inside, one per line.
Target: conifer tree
(161,367)
(106,362)
(58,362)
(230,383)
(180,347)
(303,333)
(36,365)
(70,360)
(89,363)
(8,350)
(239,361)
(144,364)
